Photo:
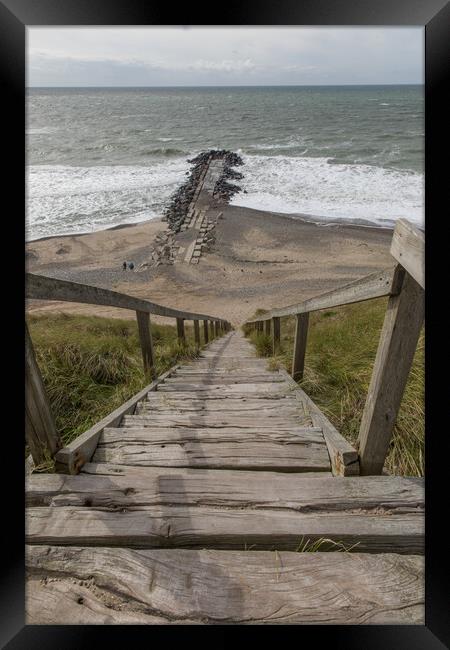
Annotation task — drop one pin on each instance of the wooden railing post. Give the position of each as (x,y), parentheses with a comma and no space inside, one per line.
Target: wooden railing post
(145,337)
(301,334)
(40,430)
(276,334)
(180,331)
(267,327)
(205,331)
(197,333)
(398,341)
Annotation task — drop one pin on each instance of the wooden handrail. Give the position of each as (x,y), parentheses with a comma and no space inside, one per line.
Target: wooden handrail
(41,287)
(375,285)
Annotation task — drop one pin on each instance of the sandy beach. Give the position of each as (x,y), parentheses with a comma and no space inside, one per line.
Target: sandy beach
(259,259)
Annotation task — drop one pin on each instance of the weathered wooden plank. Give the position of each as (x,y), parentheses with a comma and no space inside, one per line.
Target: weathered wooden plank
(215,420)
(206,380)
(40,430)
(262,388)
(343,457)
(226,488)
(398,340)
(40,287)
(145,338)
(72,585)
(301,334)
(237,406)
(408,249)
(109,469)
(245,454)
(162,435)
(371,286)
(227,392)
(221,528)
(71,458)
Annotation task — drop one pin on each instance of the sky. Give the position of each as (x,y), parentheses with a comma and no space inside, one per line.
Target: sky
(224,56)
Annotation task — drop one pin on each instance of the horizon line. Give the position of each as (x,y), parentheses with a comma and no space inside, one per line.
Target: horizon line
(398,83)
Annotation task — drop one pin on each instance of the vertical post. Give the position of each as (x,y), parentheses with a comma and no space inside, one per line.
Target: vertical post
(145,337)
(211,327)
(398,341)
(301,334)
(197,333)
(267,327)
(205,331)
(216,328)
(40,429)
(180,331)
(276,334)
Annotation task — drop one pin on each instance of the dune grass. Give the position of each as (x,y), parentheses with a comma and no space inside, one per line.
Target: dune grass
(340,353)
(91,365)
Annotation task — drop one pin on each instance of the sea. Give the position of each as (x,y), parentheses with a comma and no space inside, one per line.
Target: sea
(100,157)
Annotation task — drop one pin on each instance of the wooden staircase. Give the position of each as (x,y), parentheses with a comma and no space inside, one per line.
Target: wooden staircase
(202,504)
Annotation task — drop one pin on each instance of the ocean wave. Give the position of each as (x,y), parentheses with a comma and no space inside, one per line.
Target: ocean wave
(43,130)
(63,199)
(313,186)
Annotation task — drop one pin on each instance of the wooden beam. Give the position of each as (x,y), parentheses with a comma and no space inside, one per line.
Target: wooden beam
(343,457)
(145,338)
(408,248)
(216,328)
(276,335)
(40,430)
(197,333)
(180,331)
(267,327)
(211,327)
(301,334)
(371,286)
(39,287)
(208,586)
(205,331)
(70,459)
(401,329)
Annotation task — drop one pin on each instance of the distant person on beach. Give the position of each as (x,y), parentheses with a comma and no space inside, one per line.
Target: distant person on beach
(124,266)
(131,266)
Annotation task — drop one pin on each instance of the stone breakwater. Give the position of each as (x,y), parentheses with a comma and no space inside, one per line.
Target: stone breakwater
(186,195)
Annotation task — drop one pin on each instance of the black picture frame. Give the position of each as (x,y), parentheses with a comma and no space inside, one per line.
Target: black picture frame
(434,15)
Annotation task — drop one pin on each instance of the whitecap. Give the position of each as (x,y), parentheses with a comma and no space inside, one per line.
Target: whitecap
(294,185)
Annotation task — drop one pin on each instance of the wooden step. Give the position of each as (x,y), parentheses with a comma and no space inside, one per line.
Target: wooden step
(222,528)
(162,435)
(281,388)
(233,454)
(81,586)
(218,420)
(116,486)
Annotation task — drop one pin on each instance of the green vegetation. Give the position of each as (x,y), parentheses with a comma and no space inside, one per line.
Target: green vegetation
(91,365)
(341,350)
